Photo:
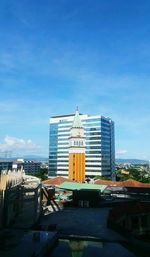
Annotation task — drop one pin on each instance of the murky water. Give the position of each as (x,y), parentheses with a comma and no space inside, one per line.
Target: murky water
(84,248)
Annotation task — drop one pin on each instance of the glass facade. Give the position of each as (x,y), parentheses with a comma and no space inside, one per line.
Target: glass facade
(99,140)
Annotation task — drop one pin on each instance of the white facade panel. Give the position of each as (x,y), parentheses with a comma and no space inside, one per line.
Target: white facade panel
(93,159)
(62,141)
(88,173)
(73,150)
(59,173)
(93,164)
(64,133)
(93,168)
(63,154)
(62,167)
(59,162)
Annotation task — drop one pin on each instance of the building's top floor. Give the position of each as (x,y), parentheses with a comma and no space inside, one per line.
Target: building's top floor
(70,117)
(32,161)
(17,160)
(6,161)
(66,115)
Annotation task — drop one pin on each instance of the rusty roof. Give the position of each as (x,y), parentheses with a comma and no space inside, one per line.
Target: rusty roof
(125,183)
(56,181)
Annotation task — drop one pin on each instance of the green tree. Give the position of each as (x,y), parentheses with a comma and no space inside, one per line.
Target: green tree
(134,173)
(101,177)
(42,174)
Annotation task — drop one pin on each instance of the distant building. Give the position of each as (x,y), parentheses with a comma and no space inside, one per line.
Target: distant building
(99,145)
(6,165)
(29,167)
(18,164)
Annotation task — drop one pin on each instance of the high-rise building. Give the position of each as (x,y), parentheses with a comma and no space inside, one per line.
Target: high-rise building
(97,137)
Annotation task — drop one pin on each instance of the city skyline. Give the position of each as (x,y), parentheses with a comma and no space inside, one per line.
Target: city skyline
(55,55)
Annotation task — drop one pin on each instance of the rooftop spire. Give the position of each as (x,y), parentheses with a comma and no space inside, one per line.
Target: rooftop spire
(77,122)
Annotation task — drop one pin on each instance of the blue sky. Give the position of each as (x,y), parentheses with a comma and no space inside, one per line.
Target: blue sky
(57,54)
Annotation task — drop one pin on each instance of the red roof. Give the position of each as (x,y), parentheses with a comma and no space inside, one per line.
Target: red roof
(134,183)
(126,183)
(107,182)
(56,181)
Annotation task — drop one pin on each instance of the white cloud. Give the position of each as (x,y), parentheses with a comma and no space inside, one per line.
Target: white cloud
(19,145)
(121,152)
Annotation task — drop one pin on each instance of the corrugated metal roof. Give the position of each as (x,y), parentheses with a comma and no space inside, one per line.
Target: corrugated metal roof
(78,186)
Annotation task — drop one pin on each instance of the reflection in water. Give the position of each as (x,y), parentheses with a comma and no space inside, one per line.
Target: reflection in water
(74,247)
(78,247)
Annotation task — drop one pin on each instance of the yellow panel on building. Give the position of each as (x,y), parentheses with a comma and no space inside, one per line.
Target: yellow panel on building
(77,167)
